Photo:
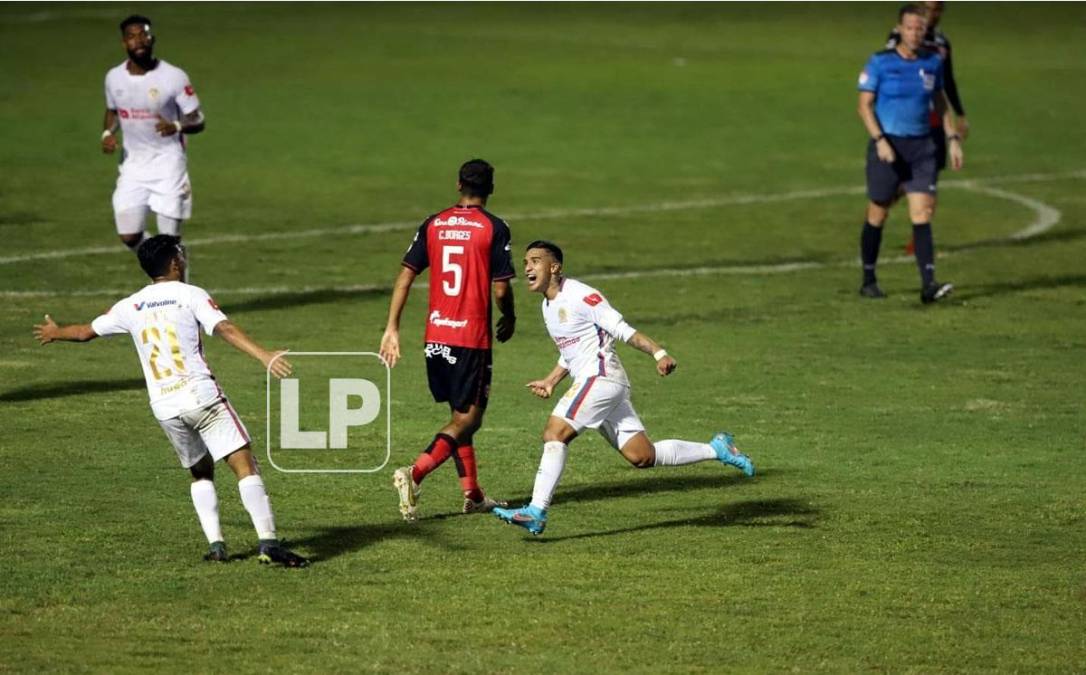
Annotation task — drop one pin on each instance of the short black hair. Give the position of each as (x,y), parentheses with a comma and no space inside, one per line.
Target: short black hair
(546,246)
(156,253)
(135,20)
(476,178)
(911,8)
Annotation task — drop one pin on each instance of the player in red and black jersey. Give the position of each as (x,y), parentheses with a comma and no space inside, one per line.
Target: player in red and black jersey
(468,250)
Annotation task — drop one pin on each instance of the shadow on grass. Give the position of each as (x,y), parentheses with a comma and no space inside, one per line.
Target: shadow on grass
(1019,285)
(300,298)
(783,512)
(37,392)
(331,542)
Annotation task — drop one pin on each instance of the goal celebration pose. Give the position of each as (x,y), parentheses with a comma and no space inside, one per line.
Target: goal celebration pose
(164,319)
(584,326)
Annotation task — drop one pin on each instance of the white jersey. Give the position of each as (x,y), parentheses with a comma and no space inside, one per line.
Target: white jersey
(139,101)
(164,320)
(585,326)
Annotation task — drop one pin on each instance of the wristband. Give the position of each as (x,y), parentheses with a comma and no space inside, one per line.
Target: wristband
(106,133)
(954,137)
(879,137)
(177,124)
(659,354)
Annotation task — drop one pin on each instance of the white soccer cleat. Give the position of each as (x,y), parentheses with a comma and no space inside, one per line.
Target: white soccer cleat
(484,505)
(408,491)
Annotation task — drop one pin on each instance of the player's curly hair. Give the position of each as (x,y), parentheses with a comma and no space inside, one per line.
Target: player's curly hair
(476,178)
(156,254)
(135,20)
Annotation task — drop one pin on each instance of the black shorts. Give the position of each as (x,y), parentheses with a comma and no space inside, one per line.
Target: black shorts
(459,375)
(913,169)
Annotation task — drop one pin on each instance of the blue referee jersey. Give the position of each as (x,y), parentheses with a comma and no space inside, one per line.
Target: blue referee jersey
(903,90)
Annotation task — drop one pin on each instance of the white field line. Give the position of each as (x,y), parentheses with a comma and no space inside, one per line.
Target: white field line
(658,207)
(1045,217)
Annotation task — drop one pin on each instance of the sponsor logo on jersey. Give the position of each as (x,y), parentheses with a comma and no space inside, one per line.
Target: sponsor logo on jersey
(140,306)
(459,235)
(438,320)
(593,300)
(566,341)
(456,221)
(444,351)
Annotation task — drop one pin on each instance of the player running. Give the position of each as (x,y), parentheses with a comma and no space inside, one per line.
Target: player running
(155,107)
(164,320)
(468,249)
(584,326)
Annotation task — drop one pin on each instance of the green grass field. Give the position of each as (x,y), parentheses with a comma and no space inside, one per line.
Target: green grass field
(920,502)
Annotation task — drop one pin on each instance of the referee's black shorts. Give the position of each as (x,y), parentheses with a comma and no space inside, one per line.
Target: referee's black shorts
(914,168)
(459,375)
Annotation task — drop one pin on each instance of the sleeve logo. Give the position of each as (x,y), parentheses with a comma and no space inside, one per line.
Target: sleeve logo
(863,77)
(593,300)
(189,91)
(213,305)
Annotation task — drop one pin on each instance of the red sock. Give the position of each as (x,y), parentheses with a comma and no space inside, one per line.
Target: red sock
(432,457)
(469,474)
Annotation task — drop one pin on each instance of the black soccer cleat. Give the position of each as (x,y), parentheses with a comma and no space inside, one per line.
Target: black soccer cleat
(934,292)
(871,290)
(217,553)
(280,556)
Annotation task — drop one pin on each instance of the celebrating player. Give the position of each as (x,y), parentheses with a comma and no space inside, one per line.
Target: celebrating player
(155,107)
(898,89)
(467,248)
(584,326)
(164,320)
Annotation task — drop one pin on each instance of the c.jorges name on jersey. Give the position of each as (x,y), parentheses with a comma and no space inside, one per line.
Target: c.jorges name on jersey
(465,248)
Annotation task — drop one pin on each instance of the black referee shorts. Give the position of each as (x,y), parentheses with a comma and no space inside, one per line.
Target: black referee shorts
(459,375)
(914,168)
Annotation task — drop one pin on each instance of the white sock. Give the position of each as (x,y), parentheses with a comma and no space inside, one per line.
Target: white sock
(258,505)
(168,225)
(207,509)
(677,453)
(550,472)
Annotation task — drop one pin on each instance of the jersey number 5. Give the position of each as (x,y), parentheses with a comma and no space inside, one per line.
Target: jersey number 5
(153,336)
(447,265)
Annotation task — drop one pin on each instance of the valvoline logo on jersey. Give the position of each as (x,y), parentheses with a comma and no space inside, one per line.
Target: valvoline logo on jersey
(140,306)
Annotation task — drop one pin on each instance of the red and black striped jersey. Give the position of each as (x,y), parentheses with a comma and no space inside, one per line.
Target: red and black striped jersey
(466,248)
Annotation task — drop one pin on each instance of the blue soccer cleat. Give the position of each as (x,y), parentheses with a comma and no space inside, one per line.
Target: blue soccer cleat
(727,453)
(531,518)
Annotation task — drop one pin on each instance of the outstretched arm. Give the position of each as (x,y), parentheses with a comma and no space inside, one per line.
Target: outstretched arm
(390,341)
(236,338)
(49,331)
(545,387)
(503,297)
(665,365)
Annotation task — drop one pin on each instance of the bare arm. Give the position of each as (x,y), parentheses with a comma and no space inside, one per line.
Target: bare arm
(866,109)
(49,331)
(236,338)
(390,341)
(109,132)
(545,387)
(665,365)
(503,297)
(192,123)
(953,136)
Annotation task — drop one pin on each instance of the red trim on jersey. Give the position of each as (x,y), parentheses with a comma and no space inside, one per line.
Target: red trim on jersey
(571,412)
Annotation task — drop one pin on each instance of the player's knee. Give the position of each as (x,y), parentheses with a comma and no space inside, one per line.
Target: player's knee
(203,469)
(132,241)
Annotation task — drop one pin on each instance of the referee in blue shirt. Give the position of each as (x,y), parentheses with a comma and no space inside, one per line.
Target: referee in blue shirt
(898,89)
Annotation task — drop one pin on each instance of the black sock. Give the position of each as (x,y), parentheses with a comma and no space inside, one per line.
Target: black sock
(870,239)
(925,253)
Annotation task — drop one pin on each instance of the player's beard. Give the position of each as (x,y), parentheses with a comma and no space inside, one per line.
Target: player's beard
(146,61)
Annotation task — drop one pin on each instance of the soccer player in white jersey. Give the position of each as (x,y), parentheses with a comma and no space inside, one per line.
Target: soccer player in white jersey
(584,326)
(165,319)
(154,106)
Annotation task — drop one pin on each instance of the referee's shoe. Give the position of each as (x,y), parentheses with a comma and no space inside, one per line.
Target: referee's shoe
(934,292)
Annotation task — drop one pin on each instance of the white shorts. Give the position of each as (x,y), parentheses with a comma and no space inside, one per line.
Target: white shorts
(214,429)
(169,196)
(602,404)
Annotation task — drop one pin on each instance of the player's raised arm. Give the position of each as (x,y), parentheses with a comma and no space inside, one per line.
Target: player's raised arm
(49,331)
(236,338)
